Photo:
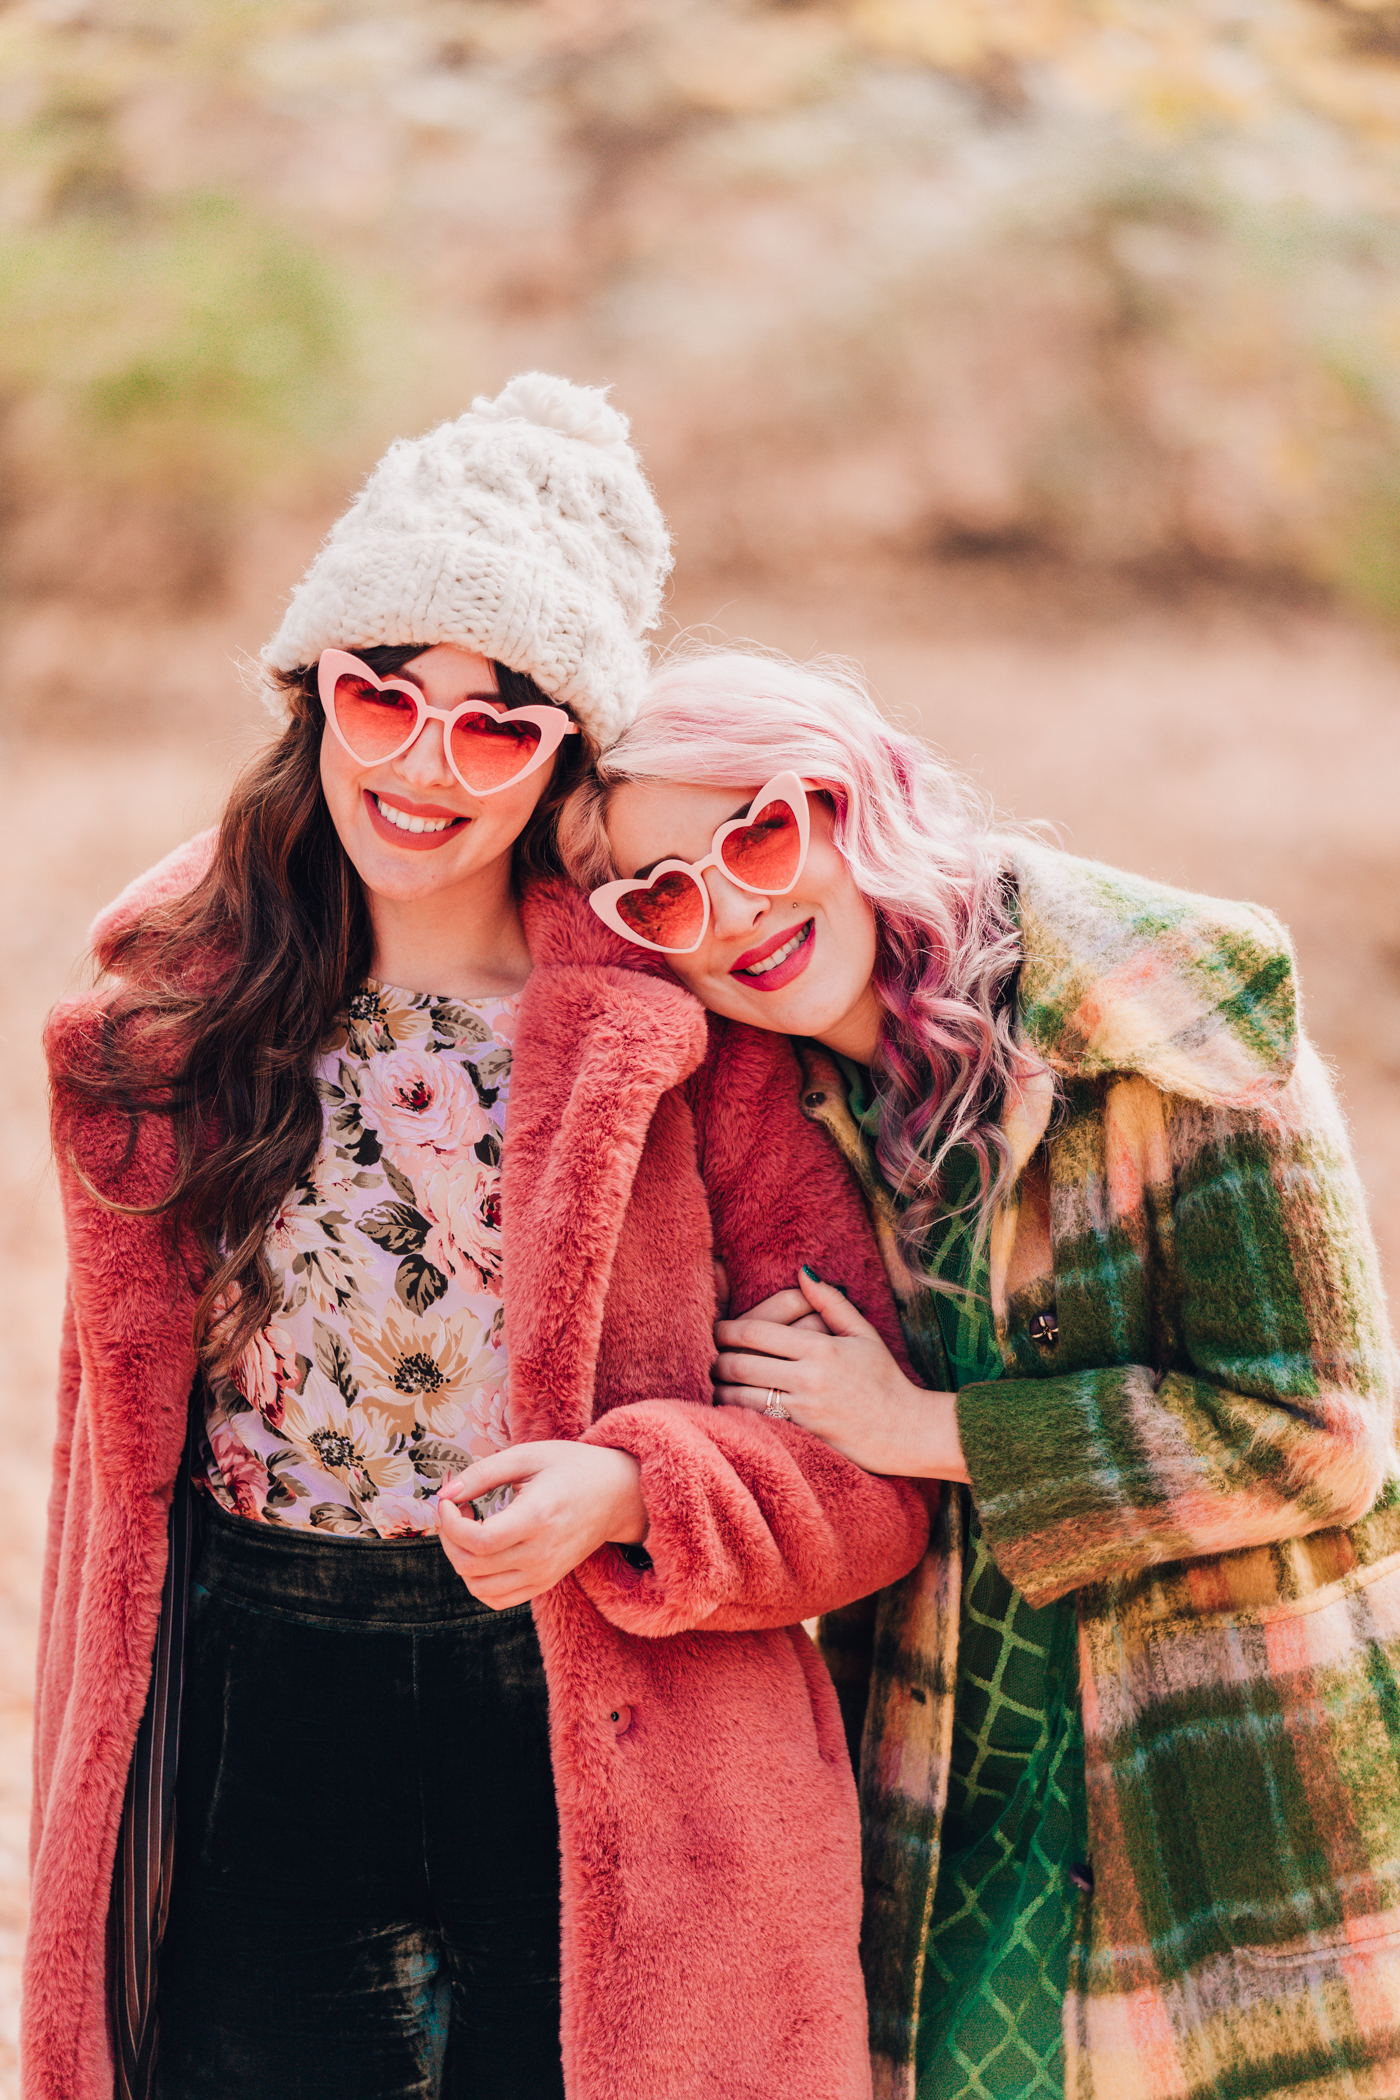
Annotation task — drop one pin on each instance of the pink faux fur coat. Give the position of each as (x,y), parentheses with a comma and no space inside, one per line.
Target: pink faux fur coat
(707,1812)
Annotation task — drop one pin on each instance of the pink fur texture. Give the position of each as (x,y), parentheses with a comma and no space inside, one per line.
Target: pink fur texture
(711,1889)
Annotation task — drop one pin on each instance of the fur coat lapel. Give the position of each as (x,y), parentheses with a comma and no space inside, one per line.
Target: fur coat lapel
(597,1048)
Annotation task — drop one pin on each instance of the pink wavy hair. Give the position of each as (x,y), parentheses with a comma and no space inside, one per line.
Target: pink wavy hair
(917,839)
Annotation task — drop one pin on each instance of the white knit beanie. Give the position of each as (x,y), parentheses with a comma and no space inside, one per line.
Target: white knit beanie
(525,531)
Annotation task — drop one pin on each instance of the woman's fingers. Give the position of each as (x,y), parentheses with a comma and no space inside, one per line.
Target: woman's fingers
(831,1302)
(575,1497)
(503,1534)
(769,1338)
(795,1314)
(508,1532)
(482,1543)
(502,1589)
(501,1469)
(764,1373)
(783,1306)
(781,1325)
(486,1568)
(459,1531)
(751,1396)
(843,1386)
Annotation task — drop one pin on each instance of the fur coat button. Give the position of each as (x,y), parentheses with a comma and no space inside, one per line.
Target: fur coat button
(620,1720)
(1044,1329)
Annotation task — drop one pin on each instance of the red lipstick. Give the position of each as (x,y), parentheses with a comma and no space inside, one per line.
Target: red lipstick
(791,966)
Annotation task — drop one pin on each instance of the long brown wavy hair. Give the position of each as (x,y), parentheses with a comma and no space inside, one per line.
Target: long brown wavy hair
(222,998)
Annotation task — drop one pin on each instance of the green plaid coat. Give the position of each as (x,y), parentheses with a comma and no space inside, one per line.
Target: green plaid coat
(1200,1448)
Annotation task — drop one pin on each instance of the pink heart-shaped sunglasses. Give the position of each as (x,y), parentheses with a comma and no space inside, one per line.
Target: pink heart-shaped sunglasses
(762,851)
(376,719)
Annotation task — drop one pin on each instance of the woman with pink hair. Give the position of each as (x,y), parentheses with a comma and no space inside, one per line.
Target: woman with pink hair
(1127,1741)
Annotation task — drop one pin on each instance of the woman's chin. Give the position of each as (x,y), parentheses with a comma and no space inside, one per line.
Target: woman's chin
(402,876)
(794,1009)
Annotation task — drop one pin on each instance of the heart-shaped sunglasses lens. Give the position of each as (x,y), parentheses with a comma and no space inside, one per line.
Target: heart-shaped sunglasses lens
(489,750)
(766,853)
(670,912)
(373,720)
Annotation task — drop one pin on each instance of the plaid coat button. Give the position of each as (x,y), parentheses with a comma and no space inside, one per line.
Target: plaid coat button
(1044,1329)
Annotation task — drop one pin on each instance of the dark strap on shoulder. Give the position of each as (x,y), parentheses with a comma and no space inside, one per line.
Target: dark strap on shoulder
(146,1840)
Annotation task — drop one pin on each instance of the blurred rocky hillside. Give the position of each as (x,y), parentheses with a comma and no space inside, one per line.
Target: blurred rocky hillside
(1106,282)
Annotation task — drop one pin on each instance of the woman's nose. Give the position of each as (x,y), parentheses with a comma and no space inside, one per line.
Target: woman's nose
(424,764)
(733,911)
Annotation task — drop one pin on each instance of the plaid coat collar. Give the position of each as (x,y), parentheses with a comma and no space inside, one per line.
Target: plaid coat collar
(1122,975)
(1119,976)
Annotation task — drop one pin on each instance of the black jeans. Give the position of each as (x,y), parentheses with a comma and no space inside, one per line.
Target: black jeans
(366,1893)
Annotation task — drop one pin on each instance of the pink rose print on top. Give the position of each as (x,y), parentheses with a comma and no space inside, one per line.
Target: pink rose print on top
(504,1020)
(244,1474)
(487,1429)
(423,1106)
(267,1371)
(463,1200)
(402,1515)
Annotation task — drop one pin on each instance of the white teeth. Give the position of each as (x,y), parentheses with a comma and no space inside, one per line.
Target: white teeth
(779,955)
(401,819)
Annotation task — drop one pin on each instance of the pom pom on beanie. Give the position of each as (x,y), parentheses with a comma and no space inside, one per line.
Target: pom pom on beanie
(525,531)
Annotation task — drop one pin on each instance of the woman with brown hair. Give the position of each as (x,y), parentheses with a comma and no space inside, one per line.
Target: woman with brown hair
(454,1734)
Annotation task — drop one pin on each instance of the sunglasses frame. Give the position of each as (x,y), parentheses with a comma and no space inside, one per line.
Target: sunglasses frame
(788,788)
(554,725)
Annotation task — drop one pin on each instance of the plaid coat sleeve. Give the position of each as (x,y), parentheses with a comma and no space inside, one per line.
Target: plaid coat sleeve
(1220,1375)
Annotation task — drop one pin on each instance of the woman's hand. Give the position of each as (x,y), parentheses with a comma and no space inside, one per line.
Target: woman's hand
(837,1379)
(786,1308)
(572,1499)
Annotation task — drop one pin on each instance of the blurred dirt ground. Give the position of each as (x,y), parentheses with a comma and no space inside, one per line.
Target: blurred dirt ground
(1247,748)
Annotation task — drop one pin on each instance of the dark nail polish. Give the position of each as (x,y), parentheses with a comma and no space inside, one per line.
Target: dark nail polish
(808,1270)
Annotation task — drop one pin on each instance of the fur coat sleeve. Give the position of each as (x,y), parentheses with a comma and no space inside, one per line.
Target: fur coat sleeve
(754,1523)
(628,1108)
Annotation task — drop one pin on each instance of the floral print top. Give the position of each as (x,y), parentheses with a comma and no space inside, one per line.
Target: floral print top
(384,1370)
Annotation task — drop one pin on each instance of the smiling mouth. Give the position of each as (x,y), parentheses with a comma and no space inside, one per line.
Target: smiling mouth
(402,821)
(418,831)
(767,965)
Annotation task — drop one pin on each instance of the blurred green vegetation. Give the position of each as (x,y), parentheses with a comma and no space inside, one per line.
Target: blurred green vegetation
(163,368)
(170,354)
(187,342)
